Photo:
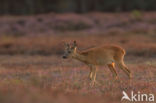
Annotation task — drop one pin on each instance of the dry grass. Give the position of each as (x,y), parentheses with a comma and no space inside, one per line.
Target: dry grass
(32,70)
(38,79)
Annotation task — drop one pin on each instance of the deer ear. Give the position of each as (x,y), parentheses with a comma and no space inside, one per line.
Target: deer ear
(74,44)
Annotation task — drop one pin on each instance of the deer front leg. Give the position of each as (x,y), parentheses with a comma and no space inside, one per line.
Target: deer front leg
(92,74)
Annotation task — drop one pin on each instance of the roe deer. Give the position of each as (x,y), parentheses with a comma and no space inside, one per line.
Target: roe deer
(105,55)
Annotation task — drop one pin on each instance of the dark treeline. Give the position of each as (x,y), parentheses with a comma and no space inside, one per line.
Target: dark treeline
(78,6)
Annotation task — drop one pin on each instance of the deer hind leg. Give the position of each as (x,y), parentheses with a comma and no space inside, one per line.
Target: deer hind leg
(119,61)
(125,69)
(112,69)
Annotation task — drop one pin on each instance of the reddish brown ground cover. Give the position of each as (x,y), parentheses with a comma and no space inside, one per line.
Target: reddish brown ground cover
(32,70)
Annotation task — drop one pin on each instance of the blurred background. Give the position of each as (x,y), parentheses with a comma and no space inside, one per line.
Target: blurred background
(25,7)
(24,22)
(32,37)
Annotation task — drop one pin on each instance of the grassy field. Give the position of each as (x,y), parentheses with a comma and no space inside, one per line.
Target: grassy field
(46,79)
(32,69)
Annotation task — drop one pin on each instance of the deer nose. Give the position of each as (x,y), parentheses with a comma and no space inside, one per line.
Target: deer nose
(64,57)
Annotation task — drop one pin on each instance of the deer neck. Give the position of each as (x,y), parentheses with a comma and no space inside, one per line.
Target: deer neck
(79,57)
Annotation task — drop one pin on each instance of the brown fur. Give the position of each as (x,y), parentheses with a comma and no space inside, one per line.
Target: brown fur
(105,55)
(106,52)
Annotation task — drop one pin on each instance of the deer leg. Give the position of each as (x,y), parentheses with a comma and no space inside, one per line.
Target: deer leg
(93,74)
(125,69)
(112,69)
(90,74)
